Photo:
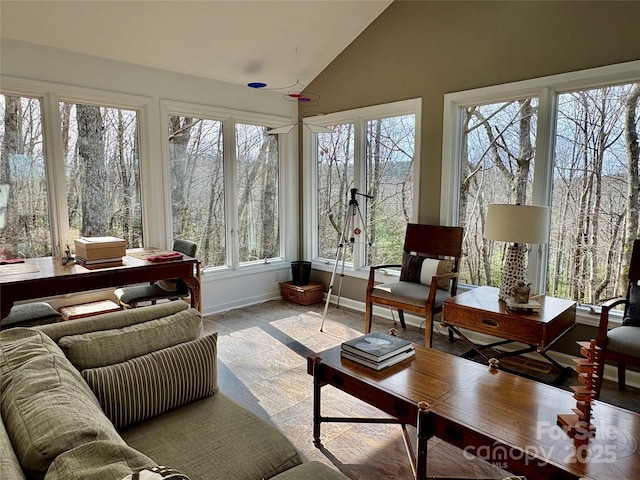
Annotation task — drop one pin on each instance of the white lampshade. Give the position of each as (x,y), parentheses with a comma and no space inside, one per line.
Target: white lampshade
(517,223)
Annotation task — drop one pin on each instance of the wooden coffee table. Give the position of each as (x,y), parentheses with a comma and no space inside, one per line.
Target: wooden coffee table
(502,418)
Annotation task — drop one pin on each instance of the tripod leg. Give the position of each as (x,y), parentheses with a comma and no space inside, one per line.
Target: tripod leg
(348,227)
(340,251)
(330,289)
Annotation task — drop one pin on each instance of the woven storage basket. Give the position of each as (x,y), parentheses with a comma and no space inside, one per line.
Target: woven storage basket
(302,294)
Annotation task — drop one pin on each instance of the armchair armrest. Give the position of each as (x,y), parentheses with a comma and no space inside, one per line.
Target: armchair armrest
(601,338)
(446,276)
(372,273)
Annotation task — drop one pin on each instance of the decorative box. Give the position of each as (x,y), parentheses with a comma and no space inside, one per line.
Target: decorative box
(96,248)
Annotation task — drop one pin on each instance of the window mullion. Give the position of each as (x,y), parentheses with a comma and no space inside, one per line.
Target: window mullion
(360,182)
(543,181)
(56,179)
(231,192)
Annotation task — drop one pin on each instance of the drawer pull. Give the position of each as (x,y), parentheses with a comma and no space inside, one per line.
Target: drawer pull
(491,322)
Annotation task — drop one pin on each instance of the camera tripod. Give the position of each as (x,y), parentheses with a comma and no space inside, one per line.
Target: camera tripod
(347,237)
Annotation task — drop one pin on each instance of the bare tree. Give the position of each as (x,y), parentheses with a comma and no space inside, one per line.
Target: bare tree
(92,159)
(632,142)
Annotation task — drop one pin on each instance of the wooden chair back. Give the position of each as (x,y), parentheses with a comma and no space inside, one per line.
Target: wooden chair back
(634,264)
(434,241)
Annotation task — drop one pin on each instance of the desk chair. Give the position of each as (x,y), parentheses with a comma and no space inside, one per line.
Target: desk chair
(169,289)
(621,343)
(428,275)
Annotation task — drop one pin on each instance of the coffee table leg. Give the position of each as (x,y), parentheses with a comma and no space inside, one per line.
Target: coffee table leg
(317,389)
(425,431)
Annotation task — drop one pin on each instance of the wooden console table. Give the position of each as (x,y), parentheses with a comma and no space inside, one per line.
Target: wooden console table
(502,418)
(480,310)
(46,276)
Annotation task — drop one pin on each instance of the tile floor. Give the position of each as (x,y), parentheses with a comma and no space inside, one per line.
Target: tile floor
(263,350)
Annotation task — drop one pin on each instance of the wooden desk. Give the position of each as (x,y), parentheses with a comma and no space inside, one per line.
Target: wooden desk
(505,419)
(480,310)
(46,276)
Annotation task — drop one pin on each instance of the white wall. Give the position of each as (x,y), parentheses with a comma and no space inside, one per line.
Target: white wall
(20,60)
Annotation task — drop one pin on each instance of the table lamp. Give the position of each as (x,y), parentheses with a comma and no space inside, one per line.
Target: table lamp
(518,224)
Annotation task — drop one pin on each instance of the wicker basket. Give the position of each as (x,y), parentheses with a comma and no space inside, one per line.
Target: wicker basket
(302,294)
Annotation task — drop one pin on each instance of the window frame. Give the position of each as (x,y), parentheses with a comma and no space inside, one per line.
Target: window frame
(50,95)
(358,117)
(153,153)
(287,199)
(547,90)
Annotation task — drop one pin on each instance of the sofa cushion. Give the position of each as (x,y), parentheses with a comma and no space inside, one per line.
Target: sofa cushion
(157,382)
(408,292)
(98,349)
(101,460)
(238,446)
(9,465)
(314,470)
(109,321)
(31,314)
(46,406)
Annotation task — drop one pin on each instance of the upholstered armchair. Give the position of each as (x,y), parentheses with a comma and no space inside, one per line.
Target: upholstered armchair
(621,343)
(428,275)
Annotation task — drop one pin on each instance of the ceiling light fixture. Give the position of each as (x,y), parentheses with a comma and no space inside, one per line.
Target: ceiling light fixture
(294,92)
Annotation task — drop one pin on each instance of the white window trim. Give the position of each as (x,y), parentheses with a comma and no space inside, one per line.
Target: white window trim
(156,202)
(50,94)
(547,90)
(287,190)
(358,117)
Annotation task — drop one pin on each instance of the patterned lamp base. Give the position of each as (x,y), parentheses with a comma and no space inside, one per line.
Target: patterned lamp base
(514,269)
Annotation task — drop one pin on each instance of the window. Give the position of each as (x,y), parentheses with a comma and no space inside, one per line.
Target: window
(257,193)
(373,151)
(196,161)
(100,146)
(25,230)
(569,142)
(225,189)
(70,166)
(77,161)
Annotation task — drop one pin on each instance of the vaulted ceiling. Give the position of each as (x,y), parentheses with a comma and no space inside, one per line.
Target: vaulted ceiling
(276,42)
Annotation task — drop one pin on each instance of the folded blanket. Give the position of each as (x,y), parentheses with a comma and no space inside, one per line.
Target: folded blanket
(13,260)
(166,257)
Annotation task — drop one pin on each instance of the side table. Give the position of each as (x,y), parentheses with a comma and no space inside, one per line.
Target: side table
(480,310)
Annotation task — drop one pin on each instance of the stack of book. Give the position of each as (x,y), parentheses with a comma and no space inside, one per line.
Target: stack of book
(100,252)
(377,350)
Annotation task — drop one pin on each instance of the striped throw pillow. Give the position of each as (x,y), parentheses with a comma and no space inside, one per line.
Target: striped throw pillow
(160,381)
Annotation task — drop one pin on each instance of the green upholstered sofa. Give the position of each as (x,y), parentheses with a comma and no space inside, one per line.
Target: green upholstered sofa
(112,395)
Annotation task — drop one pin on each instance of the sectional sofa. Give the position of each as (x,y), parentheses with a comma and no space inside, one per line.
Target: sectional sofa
(131,394)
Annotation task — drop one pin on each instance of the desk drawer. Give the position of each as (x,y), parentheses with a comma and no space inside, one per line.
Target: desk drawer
(521,329)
